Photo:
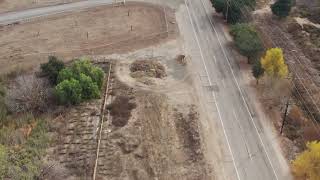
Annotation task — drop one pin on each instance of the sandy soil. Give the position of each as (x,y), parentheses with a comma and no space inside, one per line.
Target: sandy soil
(84,33)
(16,5)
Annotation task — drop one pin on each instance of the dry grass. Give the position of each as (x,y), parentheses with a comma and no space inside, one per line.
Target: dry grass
(81,33)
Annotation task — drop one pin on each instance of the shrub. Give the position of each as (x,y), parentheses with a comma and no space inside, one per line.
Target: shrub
(65,74)
(82,66)
(90,90)
(69,92)
(84,77)
(247,40)
(52,68)
(281,8)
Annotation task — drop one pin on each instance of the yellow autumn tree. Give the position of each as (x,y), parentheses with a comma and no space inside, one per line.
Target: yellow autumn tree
(273,63)
(307,165)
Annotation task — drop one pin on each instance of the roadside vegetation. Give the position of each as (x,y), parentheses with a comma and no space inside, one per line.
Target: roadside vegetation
(234,11)
(306,165)
(247,41)
(268,66)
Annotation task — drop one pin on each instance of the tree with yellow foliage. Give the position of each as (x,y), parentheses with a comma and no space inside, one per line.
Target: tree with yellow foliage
(307,165)
(273,63)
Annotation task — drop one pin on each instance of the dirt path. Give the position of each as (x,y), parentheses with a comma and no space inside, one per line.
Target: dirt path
(17,5)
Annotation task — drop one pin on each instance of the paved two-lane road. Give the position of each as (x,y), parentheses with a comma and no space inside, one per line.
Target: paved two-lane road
(252,150)
(11,17)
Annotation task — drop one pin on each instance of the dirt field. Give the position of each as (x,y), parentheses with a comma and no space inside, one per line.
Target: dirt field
(15,5)
(84,33)
(153,131)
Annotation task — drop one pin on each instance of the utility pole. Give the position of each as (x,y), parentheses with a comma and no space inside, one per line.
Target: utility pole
(227,10)
(285,116)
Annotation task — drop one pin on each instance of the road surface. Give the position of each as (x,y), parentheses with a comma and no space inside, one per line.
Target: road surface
(11,17)
(252,152)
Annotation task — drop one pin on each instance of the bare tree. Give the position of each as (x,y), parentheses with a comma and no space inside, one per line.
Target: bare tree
(28,93)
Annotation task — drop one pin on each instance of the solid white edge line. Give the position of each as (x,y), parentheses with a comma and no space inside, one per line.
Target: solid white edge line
(224,53)
(218,110)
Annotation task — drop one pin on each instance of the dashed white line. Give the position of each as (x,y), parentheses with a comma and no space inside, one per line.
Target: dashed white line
(242,134)
(241,93)
(218,109)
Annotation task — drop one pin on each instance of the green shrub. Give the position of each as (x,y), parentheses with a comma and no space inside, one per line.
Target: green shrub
(52,68)
(84,75)
(281,8)
(247,40)
(65,74)
(69,92)
(90,90)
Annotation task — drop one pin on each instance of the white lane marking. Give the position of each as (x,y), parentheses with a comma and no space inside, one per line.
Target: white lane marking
(242,134)
(215,59)
(223,83)
(241,93)
(214,96)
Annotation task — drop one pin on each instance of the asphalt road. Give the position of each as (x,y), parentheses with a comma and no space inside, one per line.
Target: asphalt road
(11,17)
(251,149)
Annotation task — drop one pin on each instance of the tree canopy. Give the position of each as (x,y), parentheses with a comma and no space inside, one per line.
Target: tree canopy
(233,11)
(247,40)
(257,70)
(306,165)
(81,81)
(281,8)
(52,68)
(273,63)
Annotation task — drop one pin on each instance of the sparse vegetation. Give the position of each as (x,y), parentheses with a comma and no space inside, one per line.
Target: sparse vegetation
(28,94)
(247,41)
(21,149)
(3,108)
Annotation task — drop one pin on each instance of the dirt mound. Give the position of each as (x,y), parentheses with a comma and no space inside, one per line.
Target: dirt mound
(187,128)
(149,68)
(120,110)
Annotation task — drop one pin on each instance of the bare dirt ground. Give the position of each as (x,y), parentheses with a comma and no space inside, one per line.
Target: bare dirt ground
(153,129)
(15,5)
(84,33)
